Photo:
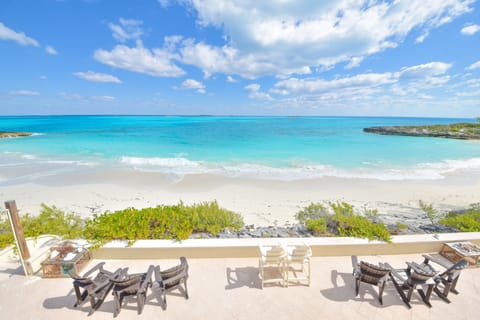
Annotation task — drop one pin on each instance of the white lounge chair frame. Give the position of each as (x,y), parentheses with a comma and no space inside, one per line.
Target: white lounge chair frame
(297,263)
(272,256)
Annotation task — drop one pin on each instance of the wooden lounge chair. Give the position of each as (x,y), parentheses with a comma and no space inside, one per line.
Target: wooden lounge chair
(371,274)
(272,256)
(446,281)
(412,278)
(132,285)
(298,263)
(93,287)
(172,279)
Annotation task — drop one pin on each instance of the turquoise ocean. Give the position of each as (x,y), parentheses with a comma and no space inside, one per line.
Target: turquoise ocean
(279,148)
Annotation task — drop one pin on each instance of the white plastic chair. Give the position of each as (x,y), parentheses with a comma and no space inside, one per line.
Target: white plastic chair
(298,263)
(272,257)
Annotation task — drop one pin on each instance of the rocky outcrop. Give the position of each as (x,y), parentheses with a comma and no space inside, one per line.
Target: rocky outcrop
(5,134)
(465,131)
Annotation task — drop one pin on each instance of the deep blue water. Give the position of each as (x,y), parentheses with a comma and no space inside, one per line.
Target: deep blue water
(262,147)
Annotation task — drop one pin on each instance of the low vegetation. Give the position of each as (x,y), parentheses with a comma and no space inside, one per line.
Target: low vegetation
(340,219)
(180,221)
(453,131)
(51,220)
(466,221)
(162,222)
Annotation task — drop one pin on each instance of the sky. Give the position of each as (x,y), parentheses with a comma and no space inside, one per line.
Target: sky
(240,57)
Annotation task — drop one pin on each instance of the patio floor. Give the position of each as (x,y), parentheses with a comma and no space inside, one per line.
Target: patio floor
(230,289)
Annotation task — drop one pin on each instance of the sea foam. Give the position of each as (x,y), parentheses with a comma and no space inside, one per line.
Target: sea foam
(182,166)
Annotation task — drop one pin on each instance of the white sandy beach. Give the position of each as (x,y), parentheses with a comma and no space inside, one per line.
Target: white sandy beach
(261,202)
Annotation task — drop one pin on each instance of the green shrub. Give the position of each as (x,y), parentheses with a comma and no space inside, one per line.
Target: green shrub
(209,217)
(401,226)
(342,221)
(468,221)
(162,222)
(342,209)
(360,227)
(51,220)
(430,211)
(317,226)
(312,212)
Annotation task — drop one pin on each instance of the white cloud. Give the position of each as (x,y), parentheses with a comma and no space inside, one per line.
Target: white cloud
(230,79)
(422,37)
(473,66)
(83,98)
(128,29)
(414,81)
(51,50)
(255,93)
(264,38)
(157,62)
(103,98)
(19,37)
(473,83)
(470,30)
(24,93)
(425,70)
(164,3)
(354,62)
(469,93)
(227,59)
(294,85)
(73,96)
(97,77)
(191,84)
(43,77)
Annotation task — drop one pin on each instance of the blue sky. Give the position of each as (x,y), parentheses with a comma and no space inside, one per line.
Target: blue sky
(240,57)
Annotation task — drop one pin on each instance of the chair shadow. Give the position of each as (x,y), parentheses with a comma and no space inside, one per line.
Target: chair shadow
(243,277)
(68,301)
(13,271)
(344,290)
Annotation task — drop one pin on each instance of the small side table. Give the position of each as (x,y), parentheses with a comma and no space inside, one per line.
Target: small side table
(72,259)
(455,251)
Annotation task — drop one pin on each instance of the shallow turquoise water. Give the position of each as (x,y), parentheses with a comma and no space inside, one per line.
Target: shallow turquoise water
(262,147)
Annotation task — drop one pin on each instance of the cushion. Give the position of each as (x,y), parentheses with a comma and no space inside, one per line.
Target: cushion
(128,280)
(172,272)
(421,276)
(373,270)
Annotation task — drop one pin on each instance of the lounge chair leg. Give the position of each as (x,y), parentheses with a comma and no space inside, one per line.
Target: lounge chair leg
(141,302)
(426,297)
(380,293)
(441,295)
(401,293)
(186,290)
(454,284)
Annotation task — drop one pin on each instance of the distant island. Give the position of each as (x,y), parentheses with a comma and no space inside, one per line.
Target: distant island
(5,134)
(465,131)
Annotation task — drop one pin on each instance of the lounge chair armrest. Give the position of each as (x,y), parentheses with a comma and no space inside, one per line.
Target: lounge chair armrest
(426,268)
(394,272)
(355,263)
(148,279)
(99,266)
(173,279)
(440,260)
(99,286)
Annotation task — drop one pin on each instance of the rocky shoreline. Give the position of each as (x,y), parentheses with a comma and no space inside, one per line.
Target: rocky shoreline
(464,131)
(6,134)
(413,226)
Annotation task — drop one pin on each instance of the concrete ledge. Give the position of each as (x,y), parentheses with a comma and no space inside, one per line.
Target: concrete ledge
(247,248)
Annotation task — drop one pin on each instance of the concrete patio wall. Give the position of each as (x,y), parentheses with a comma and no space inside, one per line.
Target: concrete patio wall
(245,248)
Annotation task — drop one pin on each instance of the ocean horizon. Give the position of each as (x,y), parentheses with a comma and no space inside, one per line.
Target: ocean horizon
(259,147)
